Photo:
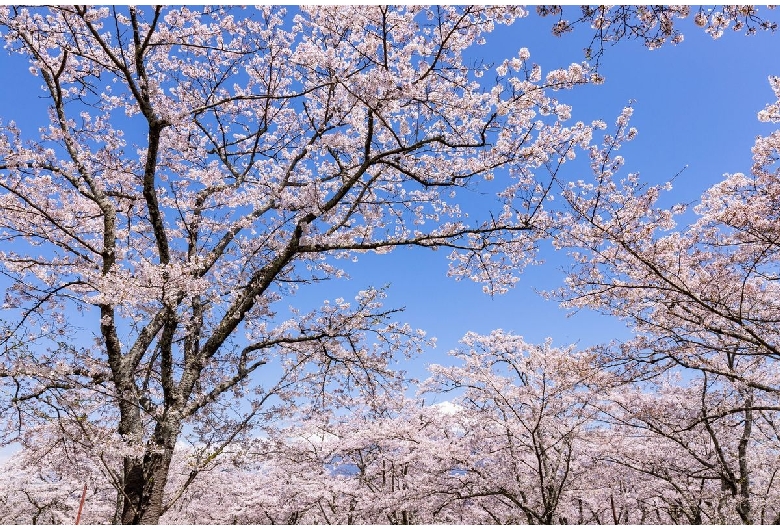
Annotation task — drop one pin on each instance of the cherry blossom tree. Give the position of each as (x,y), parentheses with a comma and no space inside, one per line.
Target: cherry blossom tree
(527,410)
(200,166)
(378,464)
(375,465)
(701,299)
(43,484)
(652,25)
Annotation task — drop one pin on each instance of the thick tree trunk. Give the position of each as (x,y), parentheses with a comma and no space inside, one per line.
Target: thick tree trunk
(144,485)
(145,479)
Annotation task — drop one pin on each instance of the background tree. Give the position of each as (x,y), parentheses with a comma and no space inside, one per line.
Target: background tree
(526,409)
(702,300)
(709,458)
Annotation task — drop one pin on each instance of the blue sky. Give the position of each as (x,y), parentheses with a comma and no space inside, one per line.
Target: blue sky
(695,105)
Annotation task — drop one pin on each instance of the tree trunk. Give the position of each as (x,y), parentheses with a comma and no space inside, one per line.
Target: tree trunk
(145,478)
(743,506)
(143,488)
